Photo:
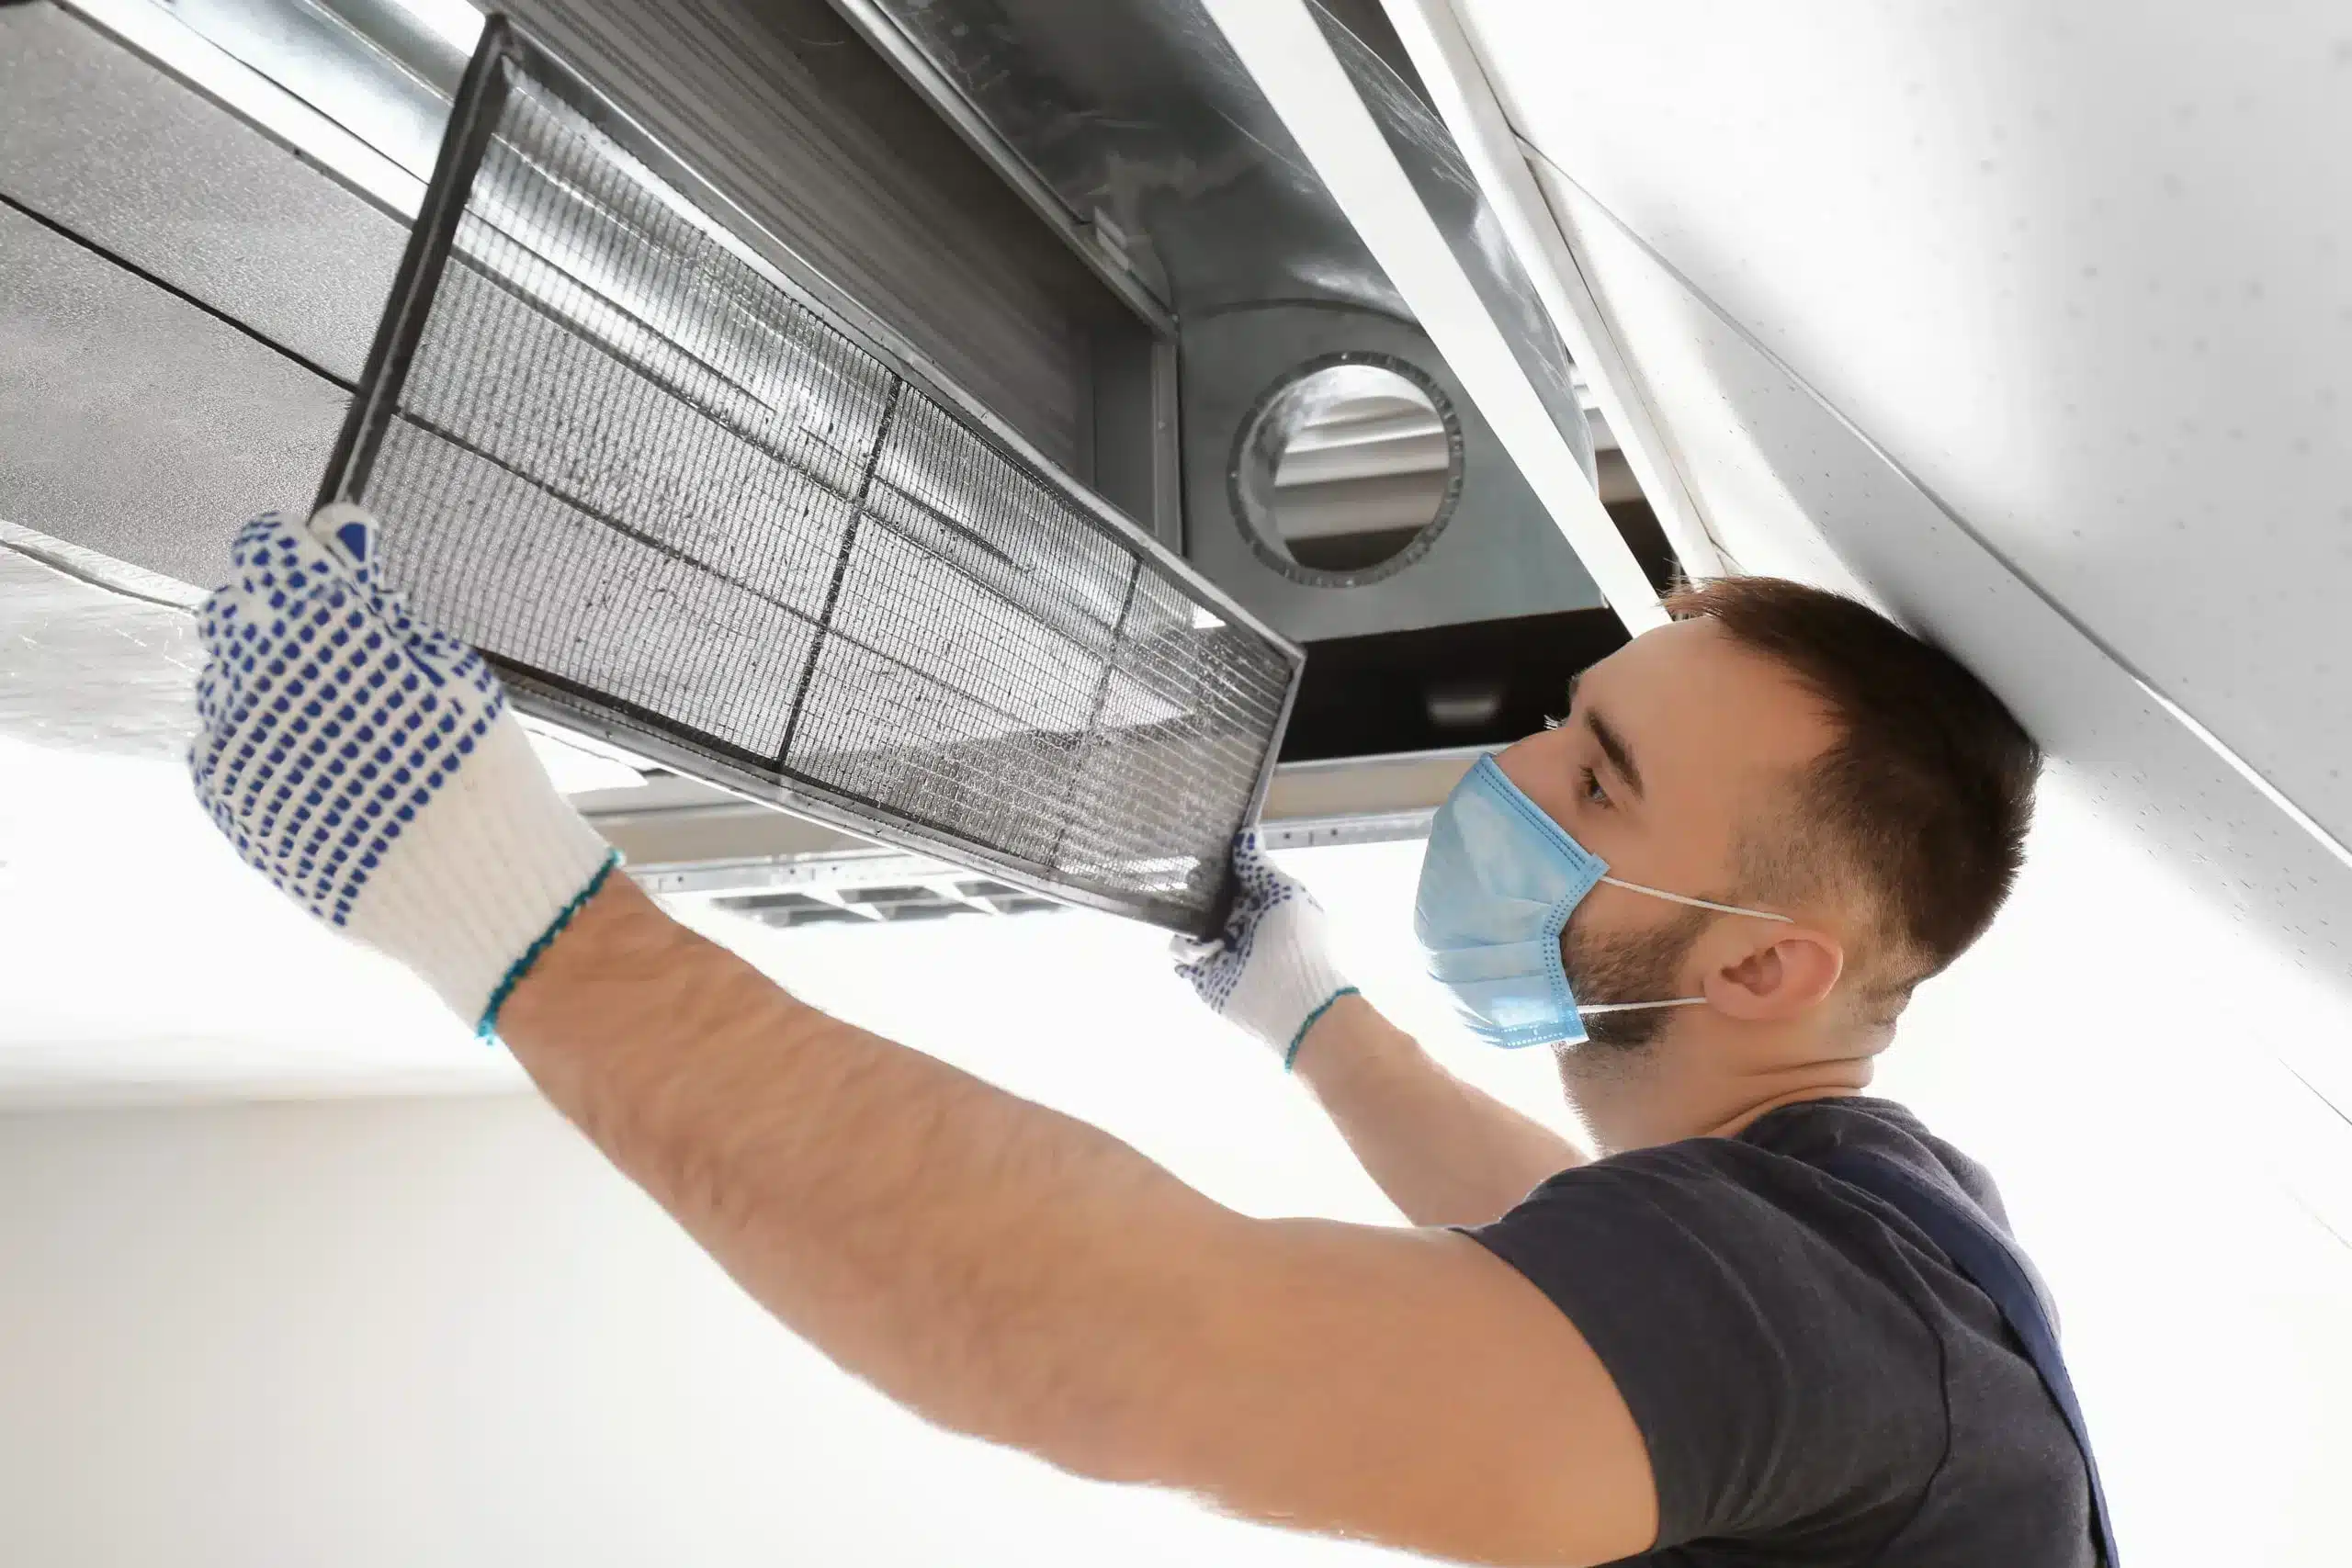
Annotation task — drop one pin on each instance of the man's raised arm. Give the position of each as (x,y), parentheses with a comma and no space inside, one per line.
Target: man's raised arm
(1010,1272)
(999,1267)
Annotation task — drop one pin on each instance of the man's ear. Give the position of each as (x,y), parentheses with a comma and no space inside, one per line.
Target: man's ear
(1790,972)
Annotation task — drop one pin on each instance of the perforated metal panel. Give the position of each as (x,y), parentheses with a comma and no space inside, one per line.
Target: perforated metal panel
(678,495)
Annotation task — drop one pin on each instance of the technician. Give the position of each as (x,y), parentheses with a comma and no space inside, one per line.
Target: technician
(1776,1320)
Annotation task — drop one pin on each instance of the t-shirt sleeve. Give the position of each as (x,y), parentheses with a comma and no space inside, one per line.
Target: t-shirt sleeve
(1757,1327)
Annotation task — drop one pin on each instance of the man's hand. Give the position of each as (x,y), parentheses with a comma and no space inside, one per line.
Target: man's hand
(1446,1153)
(1271,973)
(368,766)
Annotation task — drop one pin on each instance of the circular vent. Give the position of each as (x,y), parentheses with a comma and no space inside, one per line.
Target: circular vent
(1347,469)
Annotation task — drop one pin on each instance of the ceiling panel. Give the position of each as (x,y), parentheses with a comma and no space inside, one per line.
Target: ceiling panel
(98,141)
(136,424)
(2085,271)
(1793,490)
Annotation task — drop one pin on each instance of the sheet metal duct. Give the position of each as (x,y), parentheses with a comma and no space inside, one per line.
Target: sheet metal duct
(202,294)
(164,176)
(182,303)
(1142,124)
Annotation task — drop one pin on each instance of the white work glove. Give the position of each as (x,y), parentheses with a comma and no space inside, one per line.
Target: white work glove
(368,766)
(1271,973)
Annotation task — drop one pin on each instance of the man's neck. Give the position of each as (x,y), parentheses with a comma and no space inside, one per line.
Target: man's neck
(1671,1091)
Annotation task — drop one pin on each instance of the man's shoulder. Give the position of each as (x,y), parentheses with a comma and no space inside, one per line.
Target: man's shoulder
(1777,1160)
(1767,1210)
(1790,1347)
(1813,1130)
(1766,1333)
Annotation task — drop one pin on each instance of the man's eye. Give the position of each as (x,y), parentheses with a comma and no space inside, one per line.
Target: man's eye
(1593,793)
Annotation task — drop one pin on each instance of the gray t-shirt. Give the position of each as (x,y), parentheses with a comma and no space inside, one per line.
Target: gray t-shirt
(1816,1383)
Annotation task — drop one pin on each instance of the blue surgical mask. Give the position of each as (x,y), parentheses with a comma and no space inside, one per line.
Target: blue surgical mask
(1498,883)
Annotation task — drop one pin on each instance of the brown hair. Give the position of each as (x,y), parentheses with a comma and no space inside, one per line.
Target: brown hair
(1922,804)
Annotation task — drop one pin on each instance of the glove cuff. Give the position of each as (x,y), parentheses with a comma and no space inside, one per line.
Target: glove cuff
(487,876)
(1290,1054)
(1287,982)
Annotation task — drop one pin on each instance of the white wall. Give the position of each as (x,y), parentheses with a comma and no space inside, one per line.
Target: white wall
(439,1331)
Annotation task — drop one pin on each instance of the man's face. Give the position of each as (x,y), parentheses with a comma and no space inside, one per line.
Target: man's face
(1670,746)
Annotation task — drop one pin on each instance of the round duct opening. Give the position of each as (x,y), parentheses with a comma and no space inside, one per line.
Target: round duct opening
(1347,469)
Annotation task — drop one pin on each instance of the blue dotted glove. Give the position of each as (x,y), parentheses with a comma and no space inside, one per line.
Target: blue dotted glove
(1270,972)
(368,765)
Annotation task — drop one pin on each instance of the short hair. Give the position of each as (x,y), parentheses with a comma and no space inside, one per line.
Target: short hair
(1921,803)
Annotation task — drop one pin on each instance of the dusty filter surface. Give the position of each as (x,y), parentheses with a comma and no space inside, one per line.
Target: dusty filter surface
(678,500)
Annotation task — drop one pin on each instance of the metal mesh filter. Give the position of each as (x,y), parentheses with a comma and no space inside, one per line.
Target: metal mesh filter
(684,498)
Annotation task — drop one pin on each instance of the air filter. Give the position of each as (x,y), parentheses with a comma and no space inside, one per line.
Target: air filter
(685,495)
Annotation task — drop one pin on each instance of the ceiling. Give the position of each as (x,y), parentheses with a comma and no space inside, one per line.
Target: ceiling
(2031,321)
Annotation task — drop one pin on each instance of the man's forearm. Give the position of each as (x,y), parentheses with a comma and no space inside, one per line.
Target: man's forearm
(1445,1153)
(968,1252)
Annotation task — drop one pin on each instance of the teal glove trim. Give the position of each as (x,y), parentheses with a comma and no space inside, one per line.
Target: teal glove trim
(1291,1055)
(488,1027)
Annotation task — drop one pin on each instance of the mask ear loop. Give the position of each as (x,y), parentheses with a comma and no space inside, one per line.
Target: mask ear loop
(1637,1006)
(1697,903)
(1694,903)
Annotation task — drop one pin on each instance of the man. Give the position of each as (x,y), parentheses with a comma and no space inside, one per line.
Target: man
(1713,887)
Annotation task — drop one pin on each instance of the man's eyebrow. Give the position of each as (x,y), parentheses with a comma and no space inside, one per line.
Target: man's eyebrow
(1612,746)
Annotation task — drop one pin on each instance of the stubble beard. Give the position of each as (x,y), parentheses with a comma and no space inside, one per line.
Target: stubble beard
(1625,966)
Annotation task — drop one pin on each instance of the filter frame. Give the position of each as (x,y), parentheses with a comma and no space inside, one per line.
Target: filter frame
(506,51)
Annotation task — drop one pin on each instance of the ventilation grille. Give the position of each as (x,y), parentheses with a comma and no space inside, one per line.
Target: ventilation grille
(678,499)
(887,903)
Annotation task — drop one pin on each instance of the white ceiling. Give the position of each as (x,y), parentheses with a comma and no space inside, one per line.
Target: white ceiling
(2029,321)
(2086,270)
